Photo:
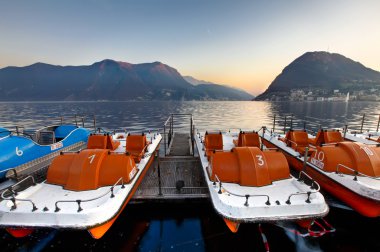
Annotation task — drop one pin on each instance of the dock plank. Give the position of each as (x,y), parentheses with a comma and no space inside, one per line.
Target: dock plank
(180,145)
(173,173)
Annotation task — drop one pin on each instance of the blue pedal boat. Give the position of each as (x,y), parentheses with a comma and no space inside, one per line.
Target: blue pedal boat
(22,153)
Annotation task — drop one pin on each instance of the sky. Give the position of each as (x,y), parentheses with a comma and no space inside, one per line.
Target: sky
(245,44)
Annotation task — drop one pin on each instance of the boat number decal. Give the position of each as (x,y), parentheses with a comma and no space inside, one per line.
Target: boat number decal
(92,157)
(367,150)
(321,156)
(19,152)
(260,160)
(56,146)
(318,161)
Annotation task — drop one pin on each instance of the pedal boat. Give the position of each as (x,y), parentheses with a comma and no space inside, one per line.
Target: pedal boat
(23,153)
(252,184)
(348,170)
(84,190)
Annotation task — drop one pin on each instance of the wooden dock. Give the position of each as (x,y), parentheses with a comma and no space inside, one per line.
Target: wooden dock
(178,176)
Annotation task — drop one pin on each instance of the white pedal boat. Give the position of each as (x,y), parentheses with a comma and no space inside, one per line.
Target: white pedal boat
(84,190)
(248,184)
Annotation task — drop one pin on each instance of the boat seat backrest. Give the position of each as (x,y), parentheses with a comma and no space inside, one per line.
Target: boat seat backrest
(136,146)
(97,142)
(111,144)
(214,141)
(300,138)
(251,139)
(318,140)
(333,137)
(46,137)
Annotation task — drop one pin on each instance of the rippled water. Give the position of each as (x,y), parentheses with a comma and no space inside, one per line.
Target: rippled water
(207,115)
(193,227)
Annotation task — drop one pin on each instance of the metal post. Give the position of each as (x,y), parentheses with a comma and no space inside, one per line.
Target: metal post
(159,175)
(94,123)
(378,123)
(61,120)
(165,139)
(304,162)
(345,131)
(361,127)
(82,122)
(291,122)
(173,124)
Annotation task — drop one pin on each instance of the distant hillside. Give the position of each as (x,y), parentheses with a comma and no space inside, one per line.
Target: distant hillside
(194,81)
(104,80)
(206,90)
(322,71)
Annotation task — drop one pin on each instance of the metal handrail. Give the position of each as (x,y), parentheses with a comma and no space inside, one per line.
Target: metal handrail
(313,182)
(13,192)
(356,173)
(57,209)
(169,123)
(265,195)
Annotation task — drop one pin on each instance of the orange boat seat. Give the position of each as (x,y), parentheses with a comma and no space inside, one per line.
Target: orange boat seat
(90,169)
(318,140)
(213,141)
(333,137)
(97,142)
(250,139)
(136,145)
(112,144)
(248,166)
(299,141)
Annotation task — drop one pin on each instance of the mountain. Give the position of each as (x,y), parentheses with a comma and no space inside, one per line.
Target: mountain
(205,90)
(195,82)
(322,72)
(104,80)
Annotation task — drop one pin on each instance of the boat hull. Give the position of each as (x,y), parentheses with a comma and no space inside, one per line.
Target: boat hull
(98,231)
(363,205)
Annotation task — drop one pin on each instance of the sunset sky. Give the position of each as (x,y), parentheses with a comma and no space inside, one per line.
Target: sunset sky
(240,43)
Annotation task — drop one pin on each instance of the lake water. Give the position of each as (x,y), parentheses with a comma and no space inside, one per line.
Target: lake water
(193,227)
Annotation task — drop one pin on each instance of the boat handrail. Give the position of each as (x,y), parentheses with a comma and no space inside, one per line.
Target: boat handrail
(313,182)
(14,193)
(57,209)
(356,173)
(308,193)
(10,189)
(291,142)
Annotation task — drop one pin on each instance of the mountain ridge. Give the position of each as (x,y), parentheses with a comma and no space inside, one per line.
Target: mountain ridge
(104,80)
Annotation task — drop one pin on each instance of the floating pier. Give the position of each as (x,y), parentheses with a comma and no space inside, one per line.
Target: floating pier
(176,174)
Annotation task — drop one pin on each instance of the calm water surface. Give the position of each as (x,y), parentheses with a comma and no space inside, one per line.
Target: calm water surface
(192,227)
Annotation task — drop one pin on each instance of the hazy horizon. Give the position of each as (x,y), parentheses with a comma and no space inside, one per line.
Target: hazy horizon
(245,44)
